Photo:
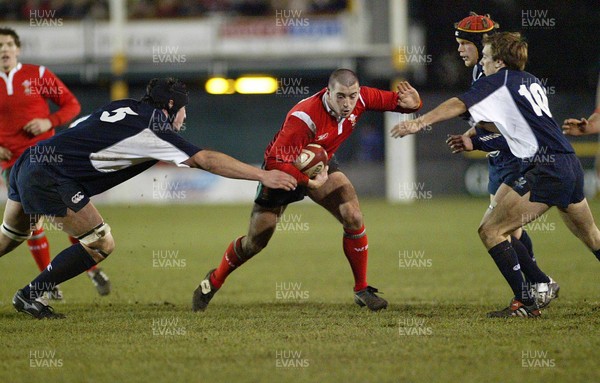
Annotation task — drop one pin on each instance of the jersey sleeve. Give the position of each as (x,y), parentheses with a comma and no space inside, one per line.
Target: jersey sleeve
(53,89)
(383,100)
(170,146)
(480,90)
(484,140)
(489,142)
(291,139)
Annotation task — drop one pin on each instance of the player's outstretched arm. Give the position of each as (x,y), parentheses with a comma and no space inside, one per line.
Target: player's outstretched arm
(408,97)
(226,166)
(451,108)
(470,133)
(575,127)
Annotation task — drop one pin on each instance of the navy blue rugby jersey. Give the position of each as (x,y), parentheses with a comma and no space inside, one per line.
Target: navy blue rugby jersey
(115,143)
(483,139)
(477,72)
(516,102)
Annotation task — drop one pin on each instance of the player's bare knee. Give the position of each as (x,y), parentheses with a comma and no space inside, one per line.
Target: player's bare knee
(486,233)
(353,219)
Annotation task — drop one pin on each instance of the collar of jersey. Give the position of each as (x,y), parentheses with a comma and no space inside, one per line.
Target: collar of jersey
(328,109)
(13,70)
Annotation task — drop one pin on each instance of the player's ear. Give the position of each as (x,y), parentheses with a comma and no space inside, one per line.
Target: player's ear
(171,103)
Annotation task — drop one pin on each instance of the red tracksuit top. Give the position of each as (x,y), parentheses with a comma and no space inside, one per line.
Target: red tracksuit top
(24,92)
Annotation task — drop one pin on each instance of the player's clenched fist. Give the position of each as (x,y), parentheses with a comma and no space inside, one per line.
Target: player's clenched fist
(319,179)
(277,179)
(38,126)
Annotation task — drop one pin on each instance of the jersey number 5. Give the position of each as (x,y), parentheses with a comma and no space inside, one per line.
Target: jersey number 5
(536,97)
(118,115)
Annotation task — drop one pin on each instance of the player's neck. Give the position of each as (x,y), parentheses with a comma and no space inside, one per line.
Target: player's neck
(329,109)
(8,69)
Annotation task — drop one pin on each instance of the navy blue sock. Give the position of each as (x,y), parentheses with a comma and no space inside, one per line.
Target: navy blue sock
(69,263)
(526,241)
(597,254)
(530,269)
(507,261)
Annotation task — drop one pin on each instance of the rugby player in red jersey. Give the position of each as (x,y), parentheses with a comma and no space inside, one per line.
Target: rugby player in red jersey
(327,118)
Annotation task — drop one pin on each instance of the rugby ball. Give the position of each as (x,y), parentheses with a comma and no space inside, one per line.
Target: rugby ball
(311,160)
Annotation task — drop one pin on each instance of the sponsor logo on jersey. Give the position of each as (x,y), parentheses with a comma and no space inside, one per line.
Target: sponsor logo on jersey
(77,197)
(322,136)
(352,119)
(26,87)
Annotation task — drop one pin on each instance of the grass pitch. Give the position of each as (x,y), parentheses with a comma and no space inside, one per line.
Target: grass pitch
(288,314)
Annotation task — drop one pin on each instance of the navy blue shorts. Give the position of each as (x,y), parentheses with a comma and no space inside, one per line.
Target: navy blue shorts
(40,191)
(556,181)
(267,197)
(503,168)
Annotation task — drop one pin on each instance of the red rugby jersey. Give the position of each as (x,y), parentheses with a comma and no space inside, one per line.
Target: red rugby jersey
(24,92)
(310,121)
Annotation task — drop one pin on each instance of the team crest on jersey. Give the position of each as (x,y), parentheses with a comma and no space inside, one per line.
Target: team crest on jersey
(77,197)
(27,87)
(352,119)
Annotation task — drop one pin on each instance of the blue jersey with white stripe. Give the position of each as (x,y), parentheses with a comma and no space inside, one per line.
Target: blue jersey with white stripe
(516,102)
(477,72)
(483,139)
(112,145)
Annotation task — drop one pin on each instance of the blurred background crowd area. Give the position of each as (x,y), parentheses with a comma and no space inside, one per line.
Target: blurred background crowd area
(298,43)
(148,9)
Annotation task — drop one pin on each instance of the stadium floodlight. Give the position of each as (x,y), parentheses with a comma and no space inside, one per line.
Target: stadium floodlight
(256,85)
(220,85)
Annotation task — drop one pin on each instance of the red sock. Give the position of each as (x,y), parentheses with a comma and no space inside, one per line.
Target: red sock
(231,260)
(39,247)
(356,248)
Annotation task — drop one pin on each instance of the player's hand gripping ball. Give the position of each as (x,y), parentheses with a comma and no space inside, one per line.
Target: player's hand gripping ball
(311,160)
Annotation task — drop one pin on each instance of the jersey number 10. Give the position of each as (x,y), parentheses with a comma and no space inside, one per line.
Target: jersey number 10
(536,97)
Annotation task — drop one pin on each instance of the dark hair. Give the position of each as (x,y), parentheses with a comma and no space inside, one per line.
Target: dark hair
(160,91)
(5,31)
(343,76)
(510,47)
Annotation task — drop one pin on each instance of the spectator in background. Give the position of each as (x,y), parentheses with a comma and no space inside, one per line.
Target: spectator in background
(328,6)
(167,8)
(252,7)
